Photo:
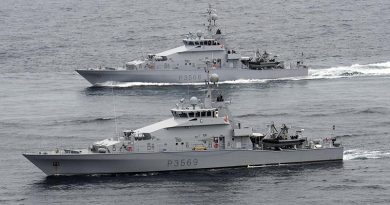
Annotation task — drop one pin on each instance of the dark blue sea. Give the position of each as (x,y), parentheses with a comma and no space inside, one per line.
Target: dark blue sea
(45,104)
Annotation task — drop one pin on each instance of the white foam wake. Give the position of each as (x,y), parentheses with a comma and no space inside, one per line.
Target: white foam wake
(136,84)
(357,154)
(376,69)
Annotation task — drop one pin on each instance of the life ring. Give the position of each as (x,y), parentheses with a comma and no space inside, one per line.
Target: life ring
(129,149)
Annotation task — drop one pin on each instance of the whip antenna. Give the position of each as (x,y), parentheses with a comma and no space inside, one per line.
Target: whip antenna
(113,101)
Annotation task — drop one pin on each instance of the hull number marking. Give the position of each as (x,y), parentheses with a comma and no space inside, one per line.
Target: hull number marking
(190,77)
(183,163)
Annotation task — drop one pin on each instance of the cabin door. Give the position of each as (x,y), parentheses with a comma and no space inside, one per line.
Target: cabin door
(222,142)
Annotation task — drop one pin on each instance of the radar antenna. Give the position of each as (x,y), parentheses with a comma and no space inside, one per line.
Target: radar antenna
(212,18)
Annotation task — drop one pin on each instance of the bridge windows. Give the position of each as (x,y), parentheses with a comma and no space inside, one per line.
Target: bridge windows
(143,136)
(193,114)
(205,42)
(183,114)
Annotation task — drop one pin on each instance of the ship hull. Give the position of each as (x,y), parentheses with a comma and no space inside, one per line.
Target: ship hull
(97,77)
(79,164)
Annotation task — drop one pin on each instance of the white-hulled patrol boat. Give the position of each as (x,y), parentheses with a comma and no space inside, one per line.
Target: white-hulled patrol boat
(199,135)
(186,64)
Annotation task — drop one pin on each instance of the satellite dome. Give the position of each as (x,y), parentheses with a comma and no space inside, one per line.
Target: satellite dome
(199,34)
(214,17)
(214,78)
(193,100)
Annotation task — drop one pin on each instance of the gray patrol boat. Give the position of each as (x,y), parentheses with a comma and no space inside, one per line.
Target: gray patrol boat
(186,63)
(199,135)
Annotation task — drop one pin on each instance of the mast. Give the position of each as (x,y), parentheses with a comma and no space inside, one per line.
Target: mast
(212,27)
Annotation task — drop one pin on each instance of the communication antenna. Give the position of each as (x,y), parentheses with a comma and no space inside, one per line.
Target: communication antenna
(142,48)
(188,90)
(333,132)
(113,101)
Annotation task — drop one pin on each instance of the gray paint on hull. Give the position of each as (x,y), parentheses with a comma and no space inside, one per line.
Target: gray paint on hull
(74,164)
(185,76)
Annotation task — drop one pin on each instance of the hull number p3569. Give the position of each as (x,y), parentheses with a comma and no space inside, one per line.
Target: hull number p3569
(183,163)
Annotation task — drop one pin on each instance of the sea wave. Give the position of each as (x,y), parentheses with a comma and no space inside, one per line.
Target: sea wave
(373,110)
(361,111)
(260,115)
(358,154)
(83,121)
(350,135)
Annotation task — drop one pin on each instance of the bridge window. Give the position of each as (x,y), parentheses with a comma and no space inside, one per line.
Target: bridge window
(183,114)
(143,136)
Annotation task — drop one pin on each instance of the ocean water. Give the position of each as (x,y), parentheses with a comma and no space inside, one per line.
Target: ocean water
(45,104)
